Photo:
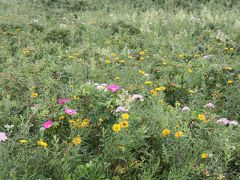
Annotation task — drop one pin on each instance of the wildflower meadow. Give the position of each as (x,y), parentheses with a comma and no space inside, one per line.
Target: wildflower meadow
(122,90)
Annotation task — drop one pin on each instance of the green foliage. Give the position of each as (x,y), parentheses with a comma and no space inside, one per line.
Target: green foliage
(167,54)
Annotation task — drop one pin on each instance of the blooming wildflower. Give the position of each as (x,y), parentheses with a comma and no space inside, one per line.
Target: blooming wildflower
(228,68)
(181,55)
(148,82)
(23,141)
(234,123)
(141,58)
(61,117)
(42,143)
(204,155)
(161,88)
(3,136)
(137,97)
(34,95)
(116,127)
(223,121)
(70,111)
(120,170)
(125,116)
(113,88)
(102,86)
(117,78)
(107,61)
(8,126)
(62,101)
(178,134)
(185,108)
(26,51)
(47,124)
(190,70)
(154,92)
(209,106)
(85,123)
(77,140)
(141,72)
(121,109)
(122,61)
(113,54)
(230,81)
(141,52)
(124,124)
(201,117)
(206,56)
(165,132)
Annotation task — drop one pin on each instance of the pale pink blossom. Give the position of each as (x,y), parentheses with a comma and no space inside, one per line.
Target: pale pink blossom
(209,106)
(70,111)
(137,97)
(62,101)
(3,136)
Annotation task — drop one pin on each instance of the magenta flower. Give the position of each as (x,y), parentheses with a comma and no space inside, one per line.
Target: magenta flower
(47,124)
(70,111)
(62,101)
(113,88)
(3,136)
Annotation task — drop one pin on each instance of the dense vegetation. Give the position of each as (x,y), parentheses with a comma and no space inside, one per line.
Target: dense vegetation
(105,89)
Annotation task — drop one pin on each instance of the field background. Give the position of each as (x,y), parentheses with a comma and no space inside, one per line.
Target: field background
(174,53)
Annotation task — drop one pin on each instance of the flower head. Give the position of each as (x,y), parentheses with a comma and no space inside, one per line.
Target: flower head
(23,141)
(209,106)
(178,134)
(124,124)
(223,121)
(137,97)
(62,101)
(204,155)
(70,111)
(185,108)
(42,143)
(201,117)
(165,132)
(3,136)
(77,140)
(121,109)
(233,123)
(34,95)
(116,127)
(125,116)
(47,124)
(113,88)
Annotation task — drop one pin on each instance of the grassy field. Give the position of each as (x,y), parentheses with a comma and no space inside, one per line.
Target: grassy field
(131,89)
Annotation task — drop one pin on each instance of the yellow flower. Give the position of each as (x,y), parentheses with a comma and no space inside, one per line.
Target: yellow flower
(177,104)
(107,61)
(26,51)
(165,132)
(228,68)
(42,143)
(181,55)
(230,81)
(75,97)
(122,61)
(161,88)
(204,155)
(113,54)
(61,117)
(141,58)
(190,70)
(34,95)
(141,52)
(125,116)
(141,72)
(124,124)
(116,127)
(77,140)
(201,117)
(85,123)
(148,82)
(117,78)
(154,92)
(23,141)
(178,134)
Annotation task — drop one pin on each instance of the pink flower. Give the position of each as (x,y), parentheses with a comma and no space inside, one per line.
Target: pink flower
(47,124)
(210,106)
(113,88)
(3,136)
(137,97)
(70,111)
(62,101)
(223,121)
(121,109)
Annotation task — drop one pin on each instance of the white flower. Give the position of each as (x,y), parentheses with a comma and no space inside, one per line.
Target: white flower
(8,126)
(121,109)
(185,108)
(209,105)
(3,136)
(137,97)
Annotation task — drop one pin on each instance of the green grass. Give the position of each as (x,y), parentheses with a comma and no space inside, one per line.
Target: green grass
(174,53)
